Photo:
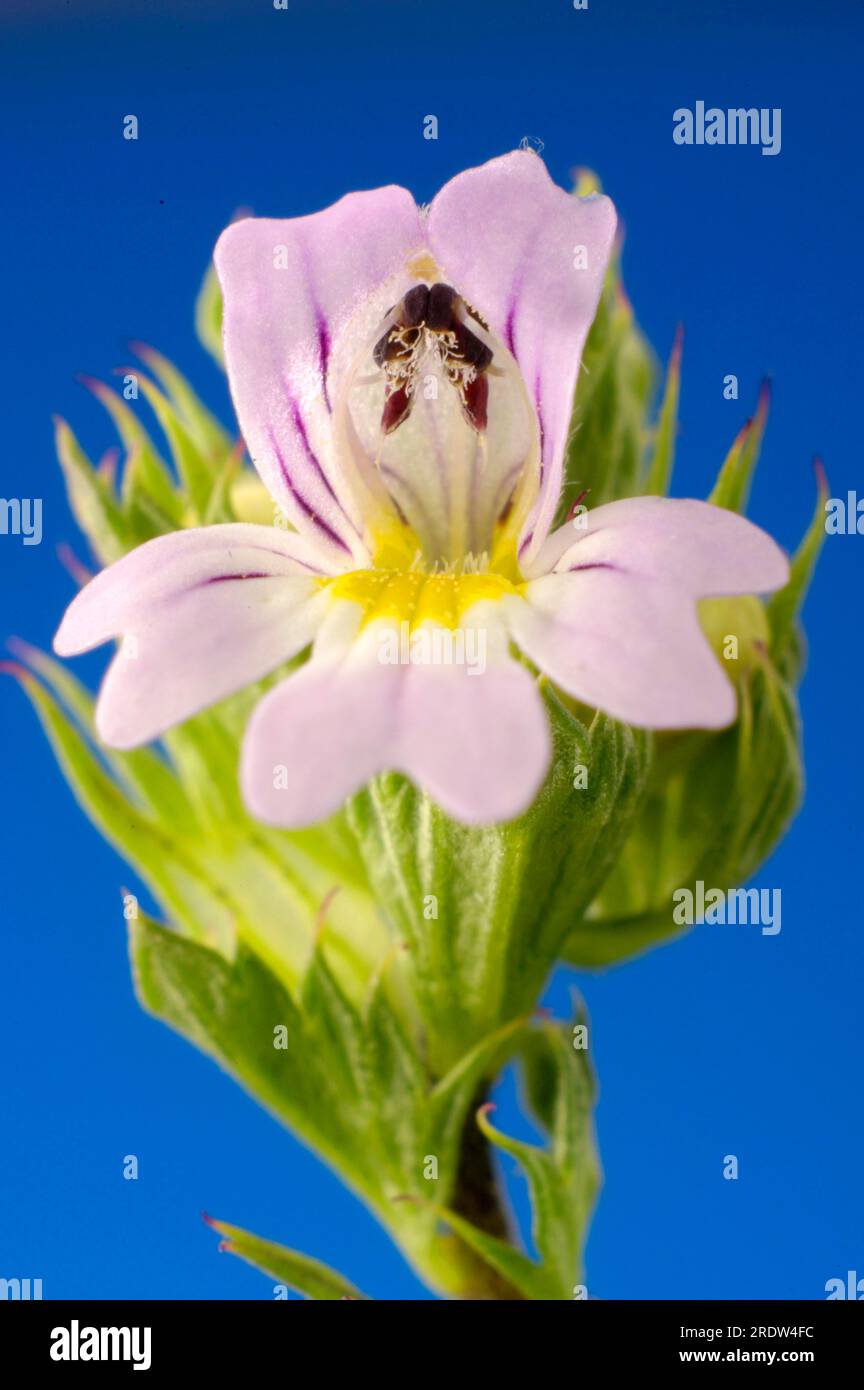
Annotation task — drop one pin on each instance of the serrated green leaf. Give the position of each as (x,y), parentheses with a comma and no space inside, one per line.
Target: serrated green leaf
(236,1011)
(564,1177)
(300,1272)
(232,1011)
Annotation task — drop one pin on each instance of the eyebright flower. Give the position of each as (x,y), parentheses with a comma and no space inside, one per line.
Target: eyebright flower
(404,379)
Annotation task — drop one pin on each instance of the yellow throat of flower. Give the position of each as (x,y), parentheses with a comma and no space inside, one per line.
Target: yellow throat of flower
(414,597)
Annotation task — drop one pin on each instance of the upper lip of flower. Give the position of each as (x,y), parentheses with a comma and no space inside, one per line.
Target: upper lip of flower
(305,301)
(609,612)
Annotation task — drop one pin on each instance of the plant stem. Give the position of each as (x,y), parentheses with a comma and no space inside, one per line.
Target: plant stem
(477,1196)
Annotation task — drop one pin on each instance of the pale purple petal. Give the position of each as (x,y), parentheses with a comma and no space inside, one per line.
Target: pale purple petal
(512,242)
(290,288)
(165,568)
(202,613)
(477,743)
(706,550)
(630,646)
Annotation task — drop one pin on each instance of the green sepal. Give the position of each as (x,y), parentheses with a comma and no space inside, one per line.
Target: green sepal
(301,1273)
(659,474)
(141,772)
(93,504)
(148,496)
(610,424)
(717,805)
(204,429)
(167,865)
(732,488)
(217,875)
(194,469)
(784,608)
(147,500)
(484,909)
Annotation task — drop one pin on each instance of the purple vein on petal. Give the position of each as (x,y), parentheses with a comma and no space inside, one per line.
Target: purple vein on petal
(515,291)
(508,327)
(300,425)
(246,574)
(323,354)
(321,326)
(510,323)
(301,501)
(259,574)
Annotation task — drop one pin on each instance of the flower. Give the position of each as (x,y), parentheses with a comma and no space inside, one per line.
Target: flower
(404,379)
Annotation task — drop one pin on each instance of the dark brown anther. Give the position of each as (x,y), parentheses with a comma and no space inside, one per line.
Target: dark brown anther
(415,306)
(424,317)
(379,352)
(396,345)
(470,348)
(439,315)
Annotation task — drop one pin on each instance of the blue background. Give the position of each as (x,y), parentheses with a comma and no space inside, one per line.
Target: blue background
(727,1042)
